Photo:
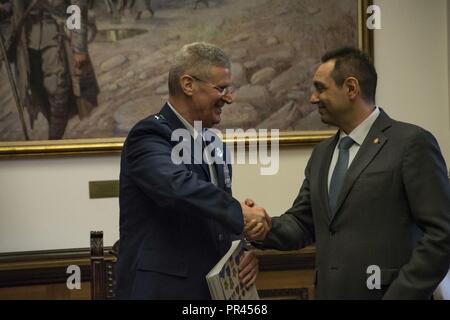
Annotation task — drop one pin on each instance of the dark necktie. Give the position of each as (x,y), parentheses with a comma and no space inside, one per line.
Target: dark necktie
(337,179)
(210,154)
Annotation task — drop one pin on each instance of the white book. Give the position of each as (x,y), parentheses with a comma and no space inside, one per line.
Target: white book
(223,279)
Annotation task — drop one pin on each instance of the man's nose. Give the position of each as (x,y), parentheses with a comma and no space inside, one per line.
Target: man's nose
(228,97)
(314,99)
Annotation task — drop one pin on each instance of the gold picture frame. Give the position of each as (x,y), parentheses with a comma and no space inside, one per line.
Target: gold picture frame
(97,146)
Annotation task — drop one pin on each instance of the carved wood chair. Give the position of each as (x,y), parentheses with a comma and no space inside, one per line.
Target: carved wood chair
(103,263)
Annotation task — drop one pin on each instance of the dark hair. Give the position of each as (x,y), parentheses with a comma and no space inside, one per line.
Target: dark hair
(351,62)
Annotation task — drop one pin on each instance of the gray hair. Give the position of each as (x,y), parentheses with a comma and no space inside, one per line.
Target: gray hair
(197,59)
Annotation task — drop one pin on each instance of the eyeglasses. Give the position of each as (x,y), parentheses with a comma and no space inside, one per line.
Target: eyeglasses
(222,91)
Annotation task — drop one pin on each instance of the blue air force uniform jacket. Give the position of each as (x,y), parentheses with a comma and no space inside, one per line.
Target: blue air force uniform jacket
(175,225)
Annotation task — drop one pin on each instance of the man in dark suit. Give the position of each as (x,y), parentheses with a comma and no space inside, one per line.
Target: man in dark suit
(177,219)
(375,199)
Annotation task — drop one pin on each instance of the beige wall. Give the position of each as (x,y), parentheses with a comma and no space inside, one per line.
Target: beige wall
(44,203)
(411,55)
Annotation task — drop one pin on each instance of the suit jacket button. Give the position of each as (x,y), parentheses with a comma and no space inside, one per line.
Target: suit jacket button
(220,237)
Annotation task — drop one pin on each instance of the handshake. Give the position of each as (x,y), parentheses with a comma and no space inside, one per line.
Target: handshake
(257,223)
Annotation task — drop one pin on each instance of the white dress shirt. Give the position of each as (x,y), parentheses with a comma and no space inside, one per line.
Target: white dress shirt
(194,134)
(358,135)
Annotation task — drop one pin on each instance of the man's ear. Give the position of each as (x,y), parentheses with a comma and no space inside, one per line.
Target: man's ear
(187,85)
(351,85)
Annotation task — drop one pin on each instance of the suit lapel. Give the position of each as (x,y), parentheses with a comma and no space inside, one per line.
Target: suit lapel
(372,144)
(323,172)
(220,152)
(197,144)
(220,175)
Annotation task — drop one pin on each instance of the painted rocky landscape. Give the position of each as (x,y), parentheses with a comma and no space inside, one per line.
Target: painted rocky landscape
(275,46)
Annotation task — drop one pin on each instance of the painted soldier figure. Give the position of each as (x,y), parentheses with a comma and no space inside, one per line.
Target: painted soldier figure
(140,6)
(54,71)
(205,2)
(5,19)
(116,8)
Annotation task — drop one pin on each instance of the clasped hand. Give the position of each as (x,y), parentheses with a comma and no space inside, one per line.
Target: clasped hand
(257,222)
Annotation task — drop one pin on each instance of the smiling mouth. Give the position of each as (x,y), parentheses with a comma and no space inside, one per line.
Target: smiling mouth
(321,109)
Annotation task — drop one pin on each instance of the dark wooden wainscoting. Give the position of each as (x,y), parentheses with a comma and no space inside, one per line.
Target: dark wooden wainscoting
(286,274)
(43,274)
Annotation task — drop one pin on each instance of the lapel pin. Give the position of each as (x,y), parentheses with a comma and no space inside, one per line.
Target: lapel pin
(376,141)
